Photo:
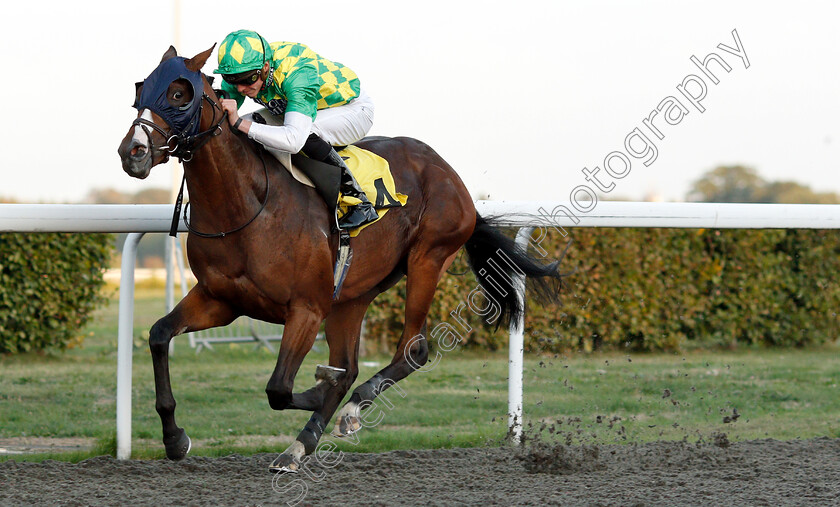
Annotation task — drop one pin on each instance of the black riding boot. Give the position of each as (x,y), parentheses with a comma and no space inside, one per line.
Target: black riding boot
(360,214)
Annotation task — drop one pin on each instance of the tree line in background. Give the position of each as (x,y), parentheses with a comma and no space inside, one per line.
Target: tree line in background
(743,184)
(629,289)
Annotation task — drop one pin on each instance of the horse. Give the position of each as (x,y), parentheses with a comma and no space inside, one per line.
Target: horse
(272,254)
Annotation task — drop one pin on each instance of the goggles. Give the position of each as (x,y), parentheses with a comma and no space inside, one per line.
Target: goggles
(246,78)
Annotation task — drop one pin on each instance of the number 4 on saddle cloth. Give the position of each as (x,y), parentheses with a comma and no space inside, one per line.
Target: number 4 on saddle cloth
(374,176)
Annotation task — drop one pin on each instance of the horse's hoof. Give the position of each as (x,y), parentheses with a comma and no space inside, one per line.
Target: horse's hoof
(178,448)
(284,464)
(346,425)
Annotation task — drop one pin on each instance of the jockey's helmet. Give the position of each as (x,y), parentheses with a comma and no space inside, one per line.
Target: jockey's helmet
(240,54)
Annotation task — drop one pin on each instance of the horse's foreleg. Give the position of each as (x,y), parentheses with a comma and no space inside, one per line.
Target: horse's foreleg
(412,349)
(195,312)
(298,337)
(343,327)
(312,399)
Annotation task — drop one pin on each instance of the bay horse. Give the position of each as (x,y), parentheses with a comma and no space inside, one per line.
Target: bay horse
(275,260)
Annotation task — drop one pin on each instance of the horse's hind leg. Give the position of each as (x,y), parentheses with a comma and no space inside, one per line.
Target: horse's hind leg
(343,327)
(412,349)
(195,312)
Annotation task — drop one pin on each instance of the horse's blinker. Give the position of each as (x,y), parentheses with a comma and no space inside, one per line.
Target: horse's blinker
(182,120)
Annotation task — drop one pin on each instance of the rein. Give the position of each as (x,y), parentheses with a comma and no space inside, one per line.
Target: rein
(218,234)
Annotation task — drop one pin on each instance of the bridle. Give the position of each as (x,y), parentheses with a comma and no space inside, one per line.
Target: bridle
(183,146)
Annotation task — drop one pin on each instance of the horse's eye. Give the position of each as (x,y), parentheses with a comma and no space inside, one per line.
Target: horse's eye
(178,95)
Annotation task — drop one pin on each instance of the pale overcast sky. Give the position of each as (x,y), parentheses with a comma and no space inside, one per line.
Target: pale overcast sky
(519,96)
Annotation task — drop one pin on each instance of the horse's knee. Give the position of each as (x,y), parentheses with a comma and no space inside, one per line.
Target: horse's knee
(419,352)
(159,336)
(279,399)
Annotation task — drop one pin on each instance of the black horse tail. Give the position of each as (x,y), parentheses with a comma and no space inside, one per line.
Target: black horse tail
(496,260)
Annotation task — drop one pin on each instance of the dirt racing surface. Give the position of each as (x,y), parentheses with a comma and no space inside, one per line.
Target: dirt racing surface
(761,472)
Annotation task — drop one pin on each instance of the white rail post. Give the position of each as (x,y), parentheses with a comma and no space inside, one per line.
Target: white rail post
(516,349)
(125,345)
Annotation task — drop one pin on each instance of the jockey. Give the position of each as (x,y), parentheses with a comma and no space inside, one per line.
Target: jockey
(320,102)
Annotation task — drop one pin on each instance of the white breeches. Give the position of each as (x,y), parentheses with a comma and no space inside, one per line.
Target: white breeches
(343,125)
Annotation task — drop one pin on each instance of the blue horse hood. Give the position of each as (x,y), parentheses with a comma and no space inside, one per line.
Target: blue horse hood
(183,120)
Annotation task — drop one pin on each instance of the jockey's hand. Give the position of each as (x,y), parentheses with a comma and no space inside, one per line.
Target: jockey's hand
(229,105)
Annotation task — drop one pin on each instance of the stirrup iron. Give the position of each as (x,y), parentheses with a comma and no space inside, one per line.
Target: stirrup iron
(342,262)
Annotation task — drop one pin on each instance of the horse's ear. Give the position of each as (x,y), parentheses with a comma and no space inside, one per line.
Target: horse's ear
(197,62)
(170,53)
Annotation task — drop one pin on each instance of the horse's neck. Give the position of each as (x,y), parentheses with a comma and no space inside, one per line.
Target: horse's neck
(226,180)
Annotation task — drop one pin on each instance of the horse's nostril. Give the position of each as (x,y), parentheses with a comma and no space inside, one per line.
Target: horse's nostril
(138,151)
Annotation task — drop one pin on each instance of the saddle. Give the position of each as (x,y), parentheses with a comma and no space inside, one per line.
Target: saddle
(371,171)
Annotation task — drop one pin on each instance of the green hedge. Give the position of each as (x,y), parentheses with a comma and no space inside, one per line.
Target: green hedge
(49,286)
(662,289)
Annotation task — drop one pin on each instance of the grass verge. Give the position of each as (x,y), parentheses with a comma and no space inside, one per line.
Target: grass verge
(596,398)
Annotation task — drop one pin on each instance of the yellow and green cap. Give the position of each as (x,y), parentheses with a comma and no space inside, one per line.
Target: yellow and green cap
(241,51)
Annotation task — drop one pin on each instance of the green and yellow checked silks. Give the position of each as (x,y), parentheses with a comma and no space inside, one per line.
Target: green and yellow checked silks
(301,80)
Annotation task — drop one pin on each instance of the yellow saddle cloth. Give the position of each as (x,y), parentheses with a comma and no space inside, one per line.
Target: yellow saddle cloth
(374,175)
